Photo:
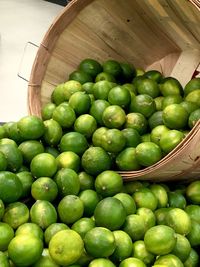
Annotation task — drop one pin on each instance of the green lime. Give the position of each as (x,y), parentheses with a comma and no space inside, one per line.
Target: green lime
(101,262)
(193,259)
(194,97)
(112,67)
(86,181)
(134,226)
(4,262)
(110,213)
(30,149)
(2,209)
(68,159)
(148,216)
(43,165)
(52,150)
(30,229)
(47,111)
(95,160)
(157,133)
(90,66)
(64,115)
(161,194)
(175,116)
(160,239)
(7,234)
(85,124)
(113,141)
(108,183)
(98,136)
(182,248)
(83,225)
(97,109)
(16,214)
(120,96)
(131,88)
(84,259)
(80,76)
(132,261)
(44,188)
(176,200)
(114,116)
(169,260)
(123,248)
(194,212)
(88,87)
(70,209)
(140,252)
(159,102)
(30,127)
(171,99)
(127,201)
(132,137)
(52,229)
(146,138)
(13,132)
(26,180)
(170,139)
(52,133)
(13,156)
(10,187)
(99,242)
(7,141)
(25,250)
(148,153)
(3,162)
(45,260)
(161,214)
(104,76)
(90,200)
(66,247)
(193,118)
(148,86)
(63,91)
(170,86)
(192,192)
(144,197)
(80,102)
(73,141)
(154,75)
(126,160)
(189,106)
(155,119)
(128,71)
(139,72)
(194,235)
(192,85)
(3,133)
(43,213)
(136,121)
(67,182)
(101,89)
(143,104)
(179,220)
(133,186)
(71,87)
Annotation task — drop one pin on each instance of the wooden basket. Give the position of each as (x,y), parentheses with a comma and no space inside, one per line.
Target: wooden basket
(152,34)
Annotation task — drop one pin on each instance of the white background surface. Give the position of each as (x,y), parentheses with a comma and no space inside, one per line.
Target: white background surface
(21,21)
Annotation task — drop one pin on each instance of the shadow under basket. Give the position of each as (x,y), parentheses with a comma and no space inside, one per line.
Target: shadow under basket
(151,34)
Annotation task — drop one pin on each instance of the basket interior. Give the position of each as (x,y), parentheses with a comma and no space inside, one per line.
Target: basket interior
(151,34)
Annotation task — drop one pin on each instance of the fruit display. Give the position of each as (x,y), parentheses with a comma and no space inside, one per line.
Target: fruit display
(63,201)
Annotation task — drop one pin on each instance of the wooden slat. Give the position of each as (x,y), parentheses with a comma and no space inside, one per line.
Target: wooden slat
(187,64)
